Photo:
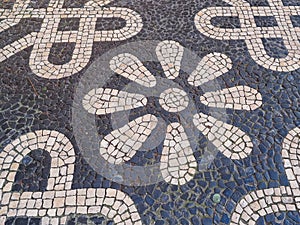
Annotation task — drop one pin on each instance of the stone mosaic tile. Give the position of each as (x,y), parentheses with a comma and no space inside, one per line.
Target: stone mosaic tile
(177,163)
(149,112)
(130,67)
(266,201)
(83,37)
(255,26)
(58,201)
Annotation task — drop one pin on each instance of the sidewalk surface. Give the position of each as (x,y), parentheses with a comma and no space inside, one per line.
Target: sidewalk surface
(154,112)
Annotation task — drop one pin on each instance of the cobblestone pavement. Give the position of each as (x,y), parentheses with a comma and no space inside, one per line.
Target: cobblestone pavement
(147,112)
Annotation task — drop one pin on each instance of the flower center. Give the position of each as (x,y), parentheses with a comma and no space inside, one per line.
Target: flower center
(174,100)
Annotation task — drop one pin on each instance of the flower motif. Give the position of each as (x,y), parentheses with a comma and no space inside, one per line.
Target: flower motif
(177,163)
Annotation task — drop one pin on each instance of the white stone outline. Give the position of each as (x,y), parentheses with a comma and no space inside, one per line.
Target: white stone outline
(111,203)
(284,198)
(49,34)
(252,34)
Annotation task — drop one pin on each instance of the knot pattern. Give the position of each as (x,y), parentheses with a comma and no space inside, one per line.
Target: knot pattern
(252,34)
(83,38)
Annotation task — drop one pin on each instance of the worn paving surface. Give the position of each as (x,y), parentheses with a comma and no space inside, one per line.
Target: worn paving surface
(150,112)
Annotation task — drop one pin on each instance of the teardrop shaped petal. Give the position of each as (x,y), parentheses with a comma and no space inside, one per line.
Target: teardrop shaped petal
(121,144)
(103,101)
(177,163)
(239,98)
(210,67)
(230,140)
(169,54)
(131,67)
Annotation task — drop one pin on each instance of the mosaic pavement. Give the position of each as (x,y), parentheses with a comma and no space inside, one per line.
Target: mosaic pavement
(150,112)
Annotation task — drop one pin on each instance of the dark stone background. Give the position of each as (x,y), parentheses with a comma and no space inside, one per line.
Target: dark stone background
(29,103)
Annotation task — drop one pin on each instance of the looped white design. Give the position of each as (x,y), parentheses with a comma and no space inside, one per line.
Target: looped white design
(59,201)
(49,34)
(177,163)
(284,198)
(252,34)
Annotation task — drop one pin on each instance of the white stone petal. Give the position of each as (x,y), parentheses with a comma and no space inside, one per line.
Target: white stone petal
(210,67)
(121,144)
(169,54)
(131,67)
(230,140)
(239,97)
(177,163)
(106,100)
